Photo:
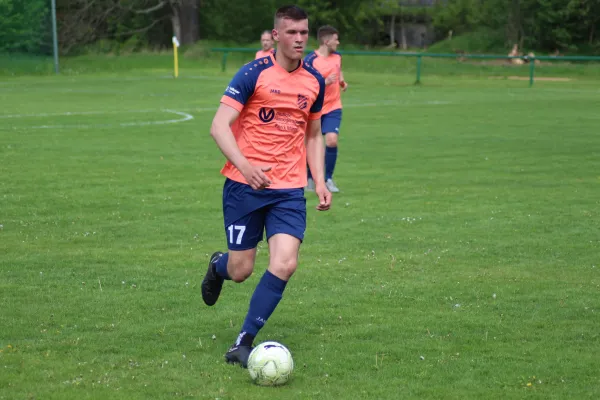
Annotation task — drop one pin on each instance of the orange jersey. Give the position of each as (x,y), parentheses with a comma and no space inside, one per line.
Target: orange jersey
(262,53)
(275,106)
(331,64)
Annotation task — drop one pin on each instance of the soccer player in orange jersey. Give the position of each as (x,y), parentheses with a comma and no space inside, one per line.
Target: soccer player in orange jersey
(268,126)
(328,62)
(266,41)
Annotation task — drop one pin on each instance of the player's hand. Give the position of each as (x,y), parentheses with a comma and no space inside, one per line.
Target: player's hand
(344,85)
(324,196)
(331,79)
(256,177)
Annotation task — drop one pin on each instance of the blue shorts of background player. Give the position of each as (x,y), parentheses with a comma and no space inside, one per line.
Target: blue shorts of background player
(330,127)
(331,122)
(249,213)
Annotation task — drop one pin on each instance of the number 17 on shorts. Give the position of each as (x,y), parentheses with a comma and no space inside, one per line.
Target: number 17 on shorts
(236,234)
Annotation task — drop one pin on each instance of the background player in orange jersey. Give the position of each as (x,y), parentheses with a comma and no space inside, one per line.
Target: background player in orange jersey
(268,125)
(266,41)
(328,62)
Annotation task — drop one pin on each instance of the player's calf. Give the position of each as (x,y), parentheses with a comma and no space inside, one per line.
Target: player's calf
(241,264)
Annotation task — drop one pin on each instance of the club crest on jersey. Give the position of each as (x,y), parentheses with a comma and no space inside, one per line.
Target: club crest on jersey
(266,114)
(302,101)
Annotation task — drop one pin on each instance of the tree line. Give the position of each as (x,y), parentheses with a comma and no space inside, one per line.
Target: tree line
(545,25)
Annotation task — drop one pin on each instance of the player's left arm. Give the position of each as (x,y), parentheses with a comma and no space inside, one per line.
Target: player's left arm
(315,152)
(343,83)
(315,156)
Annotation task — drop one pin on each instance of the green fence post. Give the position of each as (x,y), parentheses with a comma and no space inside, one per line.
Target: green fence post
(224,61)
(531,70)
(418,82)
(54,36)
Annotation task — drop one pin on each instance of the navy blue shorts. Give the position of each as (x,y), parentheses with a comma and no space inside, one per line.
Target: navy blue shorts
(331,122)
(247,213)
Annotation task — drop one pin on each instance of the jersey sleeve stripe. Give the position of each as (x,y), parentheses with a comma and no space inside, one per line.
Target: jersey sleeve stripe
(315,115)
(232,103)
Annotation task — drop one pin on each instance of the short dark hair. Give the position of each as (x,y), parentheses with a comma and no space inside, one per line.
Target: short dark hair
(324,31)
(267,33)
(292,12)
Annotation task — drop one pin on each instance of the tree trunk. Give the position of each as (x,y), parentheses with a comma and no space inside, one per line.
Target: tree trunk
(514,24)
(402,33)
(592,32)
(185,21)
(176,24)
(393,31)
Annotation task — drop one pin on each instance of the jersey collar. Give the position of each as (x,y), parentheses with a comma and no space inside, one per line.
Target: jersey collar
(283,69)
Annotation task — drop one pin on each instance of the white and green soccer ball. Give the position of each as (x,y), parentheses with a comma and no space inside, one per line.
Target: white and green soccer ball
(270,364)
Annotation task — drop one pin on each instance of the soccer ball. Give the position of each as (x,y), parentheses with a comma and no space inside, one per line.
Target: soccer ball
(270,364)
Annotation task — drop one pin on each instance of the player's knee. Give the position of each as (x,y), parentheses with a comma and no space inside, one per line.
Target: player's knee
(240,274)
(331,140)
(239,270)
(284,268)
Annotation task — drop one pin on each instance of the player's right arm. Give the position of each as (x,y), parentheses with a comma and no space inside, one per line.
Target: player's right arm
(315,152)
(310,60)
(237,94)
(331,78)
(221,132)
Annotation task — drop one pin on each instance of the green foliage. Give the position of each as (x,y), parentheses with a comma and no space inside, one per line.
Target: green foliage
(348,17)
(546,25)
(235,20)
(457,16)
(132,44)
(483,41)
(561,26)
(122,26)
(24,26)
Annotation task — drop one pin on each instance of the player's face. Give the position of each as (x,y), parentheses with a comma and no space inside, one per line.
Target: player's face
(333,42)
(266,41)
(291,37)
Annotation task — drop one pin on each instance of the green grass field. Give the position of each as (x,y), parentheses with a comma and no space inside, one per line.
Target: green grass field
(460,261)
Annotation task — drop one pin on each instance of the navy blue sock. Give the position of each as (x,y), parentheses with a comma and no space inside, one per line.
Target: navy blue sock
(267,295)
(330,159)
(222,266)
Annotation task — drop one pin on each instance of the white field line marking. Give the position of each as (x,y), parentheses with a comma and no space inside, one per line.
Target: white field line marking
(183,113)
(396,103)
(72,113)
(384,103)
(184,117)
(117,79)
